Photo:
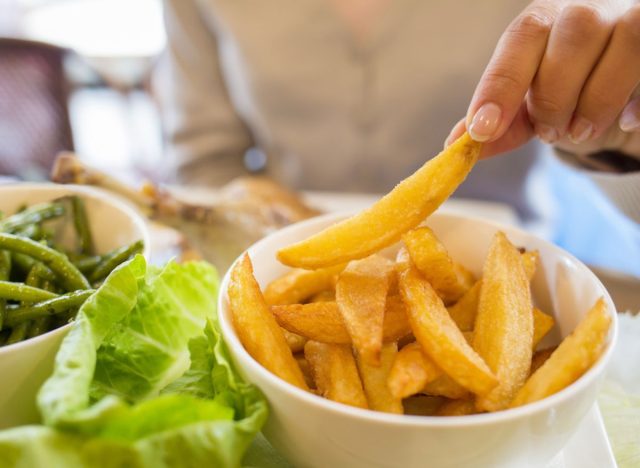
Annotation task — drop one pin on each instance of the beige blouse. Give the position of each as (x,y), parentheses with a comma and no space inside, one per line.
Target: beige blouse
(324,110)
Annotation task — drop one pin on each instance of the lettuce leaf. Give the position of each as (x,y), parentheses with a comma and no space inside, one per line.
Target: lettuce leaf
(143,379)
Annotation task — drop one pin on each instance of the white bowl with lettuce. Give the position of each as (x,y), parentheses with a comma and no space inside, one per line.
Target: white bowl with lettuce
(25,365)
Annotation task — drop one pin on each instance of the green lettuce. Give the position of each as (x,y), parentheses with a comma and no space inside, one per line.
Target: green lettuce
(143,379)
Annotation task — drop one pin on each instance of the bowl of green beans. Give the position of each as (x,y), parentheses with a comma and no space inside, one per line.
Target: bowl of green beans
(58,243)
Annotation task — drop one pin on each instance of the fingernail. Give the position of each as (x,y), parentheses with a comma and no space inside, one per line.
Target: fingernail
(485,122)
(581,130)
(629,120)
(546,133)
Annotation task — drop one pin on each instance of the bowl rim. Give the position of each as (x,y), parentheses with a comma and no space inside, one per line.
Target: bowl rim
(89,191)
(587,379)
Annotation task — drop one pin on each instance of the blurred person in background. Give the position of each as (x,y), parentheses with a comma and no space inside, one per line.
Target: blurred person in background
(354,95)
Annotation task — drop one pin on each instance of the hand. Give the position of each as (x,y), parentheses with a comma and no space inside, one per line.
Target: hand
(566,71)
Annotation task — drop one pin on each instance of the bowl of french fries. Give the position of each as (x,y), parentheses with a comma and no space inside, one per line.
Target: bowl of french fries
(398,337)
(57,244)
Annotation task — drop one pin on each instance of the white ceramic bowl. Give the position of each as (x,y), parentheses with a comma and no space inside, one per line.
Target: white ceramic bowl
(313,432)
(25,366)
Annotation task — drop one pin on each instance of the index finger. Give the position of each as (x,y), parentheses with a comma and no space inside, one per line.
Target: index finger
(510,72)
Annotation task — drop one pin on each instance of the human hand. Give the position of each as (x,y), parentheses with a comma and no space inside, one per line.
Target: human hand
(566,71)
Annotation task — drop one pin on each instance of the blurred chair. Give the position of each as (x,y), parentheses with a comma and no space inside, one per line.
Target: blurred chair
(34,117)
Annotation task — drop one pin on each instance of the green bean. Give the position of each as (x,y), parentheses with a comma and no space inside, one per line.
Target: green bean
(81,224)
(47,308)
(88,264)
(18,333)
(69,275)
(31,215)
(22,292)
(113,259)
(5,272)
(32,231)
(41,324)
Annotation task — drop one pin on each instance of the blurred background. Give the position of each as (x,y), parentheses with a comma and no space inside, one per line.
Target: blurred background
(75,75)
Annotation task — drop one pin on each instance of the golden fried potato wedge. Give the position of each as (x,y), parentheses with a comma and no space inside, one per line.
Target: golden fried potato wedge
(406,206)
(447,387)
(503,334)
(296,342)
(465,310)
(573,357)
(431,258)
(411,371)
(335,373)
(298,285)
(328,295)
(361,295)
(460,407)
(539,358)
(439,336)
(542,324)
(322,321)
(257,328)
(306,369)
(374,379)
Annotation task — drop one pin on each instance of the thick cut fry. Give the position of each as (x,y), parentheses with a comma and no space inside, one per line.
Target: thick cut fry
(361,294)
(411,371)
(573,357)
(298,285)
(447,387)
(306,370)
(321,321)
(374,379)
(431,258)
(422,405)
(406,206)
(542,324)
(257,329)
(335,373)
(296,342)
(439,336)
(540,357)
(464,311)
(460,407)
(327,295)
(503,334)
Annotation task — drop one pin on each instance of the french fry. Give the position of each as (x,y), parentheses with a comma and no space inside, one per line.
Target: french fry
(542,324)
(411,371)
(539,358)
(296,342)
(447,387)
(440,337)
(374,380)
(431,258)
(503,334)
(298,285)
(465,310)
(361,294)
(304,366)
(322,321)
(573,357)
(327,295)
(335,373)
(461,407)
(406,206)
(422,405)
(256,327)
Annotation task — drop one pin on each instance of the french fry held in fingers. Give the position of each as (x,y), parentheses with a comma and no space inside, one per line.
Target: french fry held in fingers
(334,371)
(374,379)
(361,295)
(411,371)
(406,206)
(449,279)
(257,328)
(503,334)
(439,336)
(573,357)
(298,285)
(322,321)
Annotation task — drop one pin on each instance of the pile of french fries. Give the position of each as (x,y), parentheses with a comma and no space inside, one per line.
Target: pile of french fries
(413,334)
